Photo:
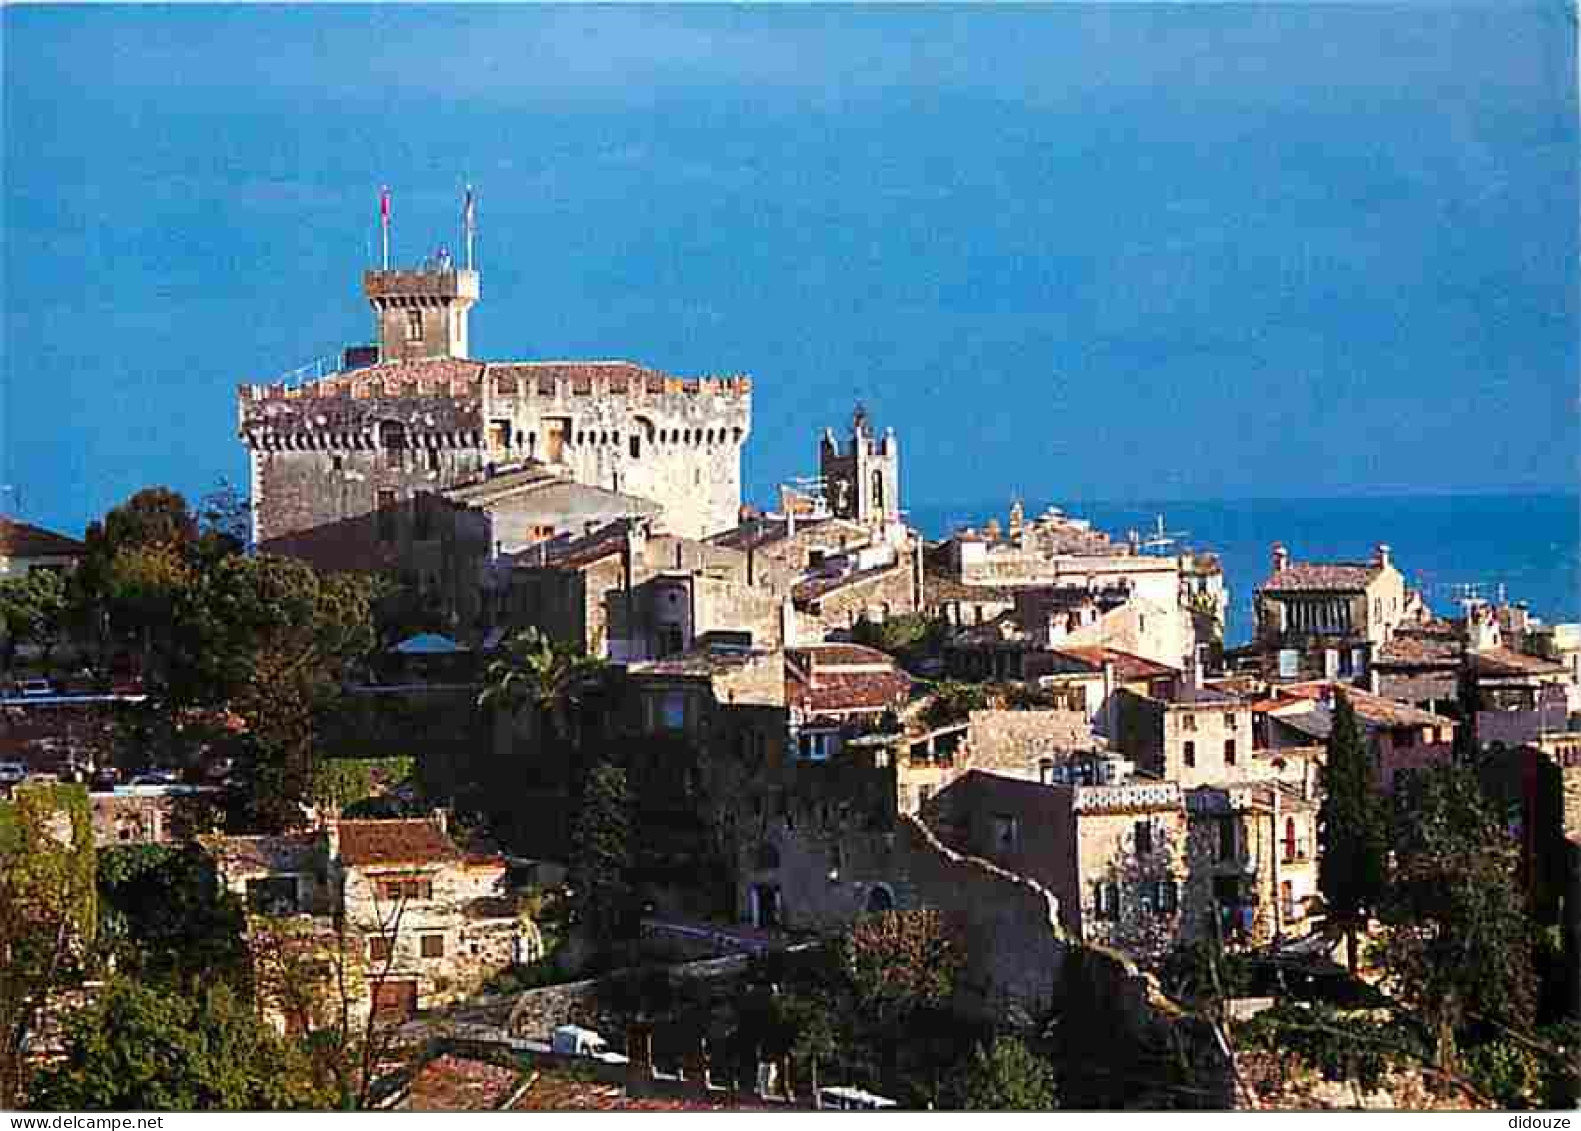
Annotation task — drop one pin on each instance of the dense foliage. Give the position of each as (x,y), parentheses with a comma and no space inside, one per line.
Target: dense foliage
(166,918)
(545,675)
(601,851)
(48,911)
(1005,1076)
(142,1048)
(1457,943)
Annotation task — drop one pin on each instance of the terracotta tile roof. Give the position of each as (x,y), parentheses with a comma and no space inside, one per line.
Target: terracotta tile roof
(1321,577)
(765,530)
(838,654)
(554,1091)
(24,540)
(817,587)
(838,678)
(1374,710)
(574,553)
(286,852)
(1409,649)
(1415,688)
(417,840)
(938,587)
(1126,666)
(1507,662)
(456,1083)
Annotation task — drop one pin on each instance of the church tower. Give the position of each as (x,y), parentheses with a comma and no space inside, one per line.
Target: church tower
(862,477)
(422,312)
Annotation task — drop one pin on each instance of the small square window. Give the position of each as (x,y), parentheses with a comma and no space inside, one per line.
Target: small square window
(380,949)
(1188,722)
(433,946)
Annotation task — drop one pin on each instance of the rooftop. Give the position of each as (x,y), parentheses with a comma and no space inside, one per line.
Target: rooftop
(814,588)
(285,852)
(417,840)
(1498,662)
(1373,710)
(834,678)
(1127,666)
(1321,577)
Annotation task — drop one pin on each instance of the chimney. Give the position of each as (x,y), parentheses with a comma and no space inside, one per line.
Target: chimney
(1380,555)
(1108,698)
(1281,557)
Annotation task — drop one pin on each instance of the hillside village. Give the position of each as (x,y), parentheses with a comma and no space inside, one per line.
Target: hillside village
(492,733)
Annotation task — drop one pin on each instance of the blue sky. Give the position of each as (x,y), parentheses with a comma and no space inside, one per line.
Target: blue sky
(1181,251)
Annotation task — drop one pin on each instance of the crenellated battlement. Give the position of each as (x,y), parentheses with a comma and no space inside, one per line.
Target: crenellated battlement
(459,379)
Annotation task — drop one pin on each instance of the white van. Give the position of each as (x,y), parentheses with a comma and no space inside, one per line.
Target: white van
(842,1098)
(573,1040)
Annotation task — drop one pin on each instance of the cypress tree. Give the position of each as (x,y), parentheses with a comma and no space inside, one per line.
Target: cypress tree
(1352,831)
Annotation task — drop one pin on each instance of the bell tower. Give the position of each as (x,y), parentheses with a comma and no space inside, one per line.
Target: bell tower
(421,312)
(862,477)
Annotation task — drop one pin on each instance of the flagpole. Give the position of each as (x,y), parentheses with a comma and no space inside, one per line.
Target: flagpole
(384,223)
(469,223)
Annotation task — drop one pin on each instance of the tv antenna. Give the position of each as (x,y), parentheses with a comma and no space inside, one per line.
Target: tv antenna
(1161,539)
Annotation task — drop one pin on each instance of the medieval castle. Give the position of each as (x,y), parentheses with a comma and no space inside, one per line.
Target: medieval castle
(414,414)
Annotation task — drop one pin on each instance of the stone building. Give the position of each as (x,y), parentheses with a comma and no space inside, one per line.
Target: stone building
(1401,738)
(1327,620)
(861,477)
(416,414)
(413,920)
(630,594)
(1057,551)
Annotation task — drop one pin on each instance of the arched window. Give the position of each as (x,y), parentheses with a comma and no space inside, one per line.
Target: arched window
(878,491)
(880,898)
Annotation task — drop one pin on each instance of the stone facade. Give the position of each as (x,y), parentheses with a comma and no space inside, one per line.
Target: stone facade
(328,456)
(414,922)
(862,476)
(1328,619)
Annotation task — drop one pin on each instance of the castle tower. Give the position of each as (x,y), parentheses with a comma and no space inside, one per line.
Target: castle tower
(421,313)
(862,477)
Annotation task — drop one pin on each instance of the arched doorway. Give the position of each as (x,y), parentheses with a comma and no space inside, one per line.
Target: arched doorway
(880,898)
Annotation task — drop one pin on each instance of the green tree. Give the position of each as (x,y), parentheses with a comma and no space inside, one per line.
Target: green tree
(548,676)
(32,611)
(953,702)
(166,918)
(272,640)
(1457,943)
(601,855)
(901,962)
(145,1048)
(1352,829)
(1006,1076)
(48,912)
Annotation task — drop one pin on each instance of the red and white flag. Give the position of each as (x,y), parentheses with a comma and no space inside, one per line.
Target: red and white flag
(384,206)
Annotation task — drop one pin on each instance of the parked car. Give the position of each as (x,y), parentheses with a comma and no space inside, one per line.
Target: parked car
(34,688)
(105,778)
(12,772)
(157,777)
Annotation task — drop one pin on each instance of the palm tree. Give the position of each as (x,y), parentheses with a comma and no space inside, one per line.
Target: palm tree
(547,675)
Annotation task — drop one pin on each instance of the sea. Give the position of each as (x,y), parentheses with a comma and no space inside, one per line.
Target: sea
(1526,548)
